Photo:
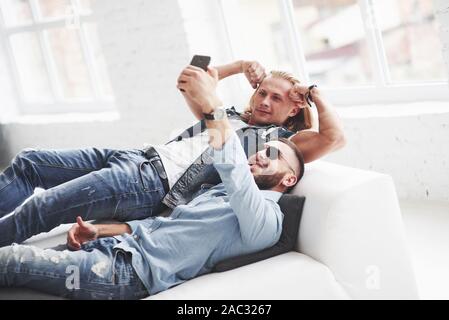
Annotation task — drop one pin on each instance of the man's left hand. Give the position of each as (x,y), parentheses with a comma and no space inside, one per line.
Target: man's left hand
(80,233)
(299,93)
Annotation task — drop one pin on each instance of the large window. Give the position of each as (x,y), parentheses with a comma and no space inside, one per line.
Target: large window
(360,51)
(55,56)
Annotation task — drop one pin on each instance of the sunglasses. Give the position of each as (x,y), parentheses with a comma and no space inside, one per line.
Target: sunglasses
(273,153)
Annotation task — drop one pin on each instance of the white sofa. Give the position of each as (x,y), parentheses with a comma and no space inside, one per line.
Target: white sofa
(351,245)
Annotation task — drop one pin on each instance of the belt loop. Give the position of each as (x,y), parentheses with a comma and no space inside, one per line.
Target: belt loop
(155,160)
(141,177)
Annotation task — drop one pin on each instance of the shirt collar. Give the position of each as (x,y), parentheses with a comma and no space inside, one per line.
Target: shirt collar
(272,195)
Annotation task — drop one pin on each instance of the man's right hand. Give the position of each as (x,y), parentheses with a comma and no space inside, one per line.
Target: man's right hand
(254,72)
(199,89)
(80,233)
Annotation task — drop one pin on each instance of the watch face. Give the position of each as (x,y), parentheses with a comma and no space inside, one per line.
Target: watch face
(220,114)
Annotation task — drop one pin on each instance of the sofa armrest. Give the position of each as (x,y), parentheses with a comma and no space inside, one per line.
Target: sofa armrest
(352,223)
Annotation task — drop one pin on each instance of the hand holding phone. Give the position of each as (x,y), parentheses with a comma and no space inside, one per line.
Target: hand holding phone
(200,62)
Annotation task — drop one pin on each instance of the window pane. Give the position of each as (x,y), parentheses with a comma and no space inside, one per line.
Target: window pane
(333,39)
(54,8)
(72,69)
(31,67)
(16,12)
(260,34)
(410,35)
(99,60)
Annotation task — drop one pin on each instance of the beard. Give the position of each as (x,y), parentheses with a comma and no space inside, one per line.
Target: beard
(268,181)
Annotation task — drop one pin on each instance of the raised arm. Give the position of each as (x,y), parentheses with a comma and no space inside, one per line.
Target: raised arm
(260,219)
(229,69)
(253,71)
(329,137)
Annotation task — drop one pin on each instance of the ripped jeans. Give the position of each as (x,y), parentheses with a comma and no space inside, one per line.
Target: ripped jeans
(97,271)
(92,183)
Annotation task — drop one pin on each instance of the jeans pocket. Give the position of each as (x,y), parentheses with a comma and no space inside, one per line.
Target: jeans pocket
(123,271)
(149,177)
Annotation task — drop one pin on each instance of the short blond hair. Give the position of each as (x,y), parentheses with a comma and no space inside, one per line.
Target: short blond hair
(303,120)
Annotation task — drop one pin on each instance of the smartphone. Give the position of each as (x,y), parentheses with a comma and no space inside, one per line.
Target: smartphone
(200,61)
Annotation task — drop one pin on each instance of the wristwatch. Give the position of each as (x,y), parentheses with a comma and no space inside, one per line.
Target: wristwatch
(309,95)
(218,114)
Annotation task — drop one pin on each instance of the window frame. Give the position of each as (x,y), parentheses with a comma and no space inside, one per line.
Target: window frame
(99,102)
(383,90)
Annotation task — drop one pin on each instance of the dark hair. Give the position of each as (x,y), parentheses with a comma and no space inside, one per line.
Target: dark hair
(300,157)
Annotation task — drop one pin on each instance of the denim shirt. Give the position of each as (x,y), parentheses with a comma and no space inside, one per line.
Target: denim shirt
(230,219)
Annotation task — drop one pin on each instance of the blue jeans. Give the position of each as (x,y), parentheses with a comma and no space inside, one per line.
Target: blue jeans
(91,183)
(97,271)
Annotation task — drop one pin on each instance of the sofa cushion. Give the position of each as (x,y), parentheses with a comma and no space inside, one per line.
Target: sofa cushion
(291,206)
(288,276)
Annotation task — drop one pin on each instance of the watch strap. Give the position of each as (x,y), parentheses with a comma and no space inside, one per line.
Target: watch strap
(309,95)
(221,112)
(209,116)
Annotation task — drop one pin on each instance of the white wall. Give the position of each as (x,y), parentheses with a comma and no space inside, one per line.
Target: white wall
(8,106)
(207,35)
(410,142)
(145,47)
(442,14)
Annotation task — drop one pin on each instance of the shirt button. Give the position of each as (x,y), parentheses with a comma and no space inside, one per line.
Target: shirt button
(136,237)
